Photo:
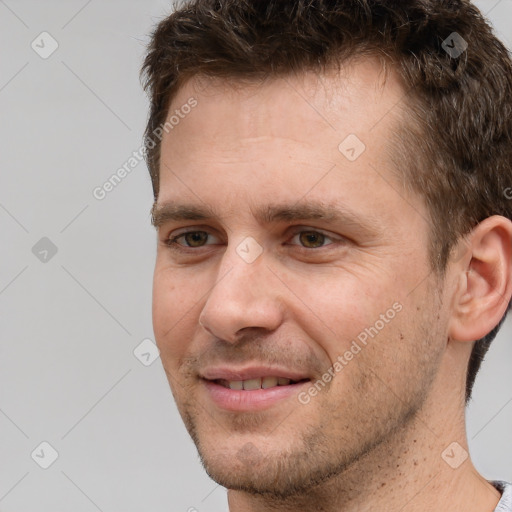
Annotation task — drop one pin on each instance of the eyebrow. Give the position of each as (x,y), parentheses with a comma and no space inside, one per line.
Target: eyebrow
(169,211)
(299,211)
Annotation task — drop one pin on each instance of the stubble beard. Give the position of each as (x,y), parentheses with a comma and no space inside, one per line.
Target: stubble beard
(314,458)
(341,440)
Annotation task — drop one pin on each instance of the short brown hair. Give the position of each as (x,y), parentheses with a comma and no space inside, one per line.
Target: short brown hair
(459,98)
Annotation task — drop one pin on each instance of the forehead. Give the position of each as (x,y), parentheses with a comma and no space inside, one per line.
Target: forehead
(282,137)
(363,97)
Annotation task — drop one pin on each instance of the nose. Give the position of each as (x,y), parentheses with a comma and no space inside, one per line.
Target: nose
(245,295)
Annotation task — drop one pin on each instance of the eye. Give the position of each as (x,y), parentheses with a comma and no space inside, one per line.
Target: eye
(311,239)
(190,239)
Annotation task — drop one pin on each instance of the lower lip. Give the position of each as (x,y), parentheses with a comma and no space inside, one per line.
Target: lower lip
(251,400)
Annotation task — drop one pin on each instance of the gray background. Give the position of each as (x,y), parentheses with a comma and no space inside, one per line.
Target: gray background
(69,325)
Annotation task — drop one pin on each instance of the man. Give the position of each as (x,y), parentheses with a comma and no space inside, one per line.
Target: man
(334,245)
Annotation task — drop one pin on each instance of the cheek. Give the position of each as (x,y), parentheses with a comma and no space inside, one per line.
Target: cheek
(176,306)
(343,307)
(401,349)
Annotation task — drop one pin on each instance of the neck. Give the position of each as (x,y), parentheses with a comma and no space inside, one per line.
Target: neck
(417,469)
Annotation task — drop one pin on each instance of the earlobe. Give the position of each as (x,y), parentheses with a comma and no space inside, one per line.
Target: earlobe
(484,280)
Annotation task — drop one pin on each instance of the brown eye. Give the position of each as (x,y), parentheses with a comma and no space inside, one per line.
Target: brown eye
(195,238)
(311,239)
(192,240)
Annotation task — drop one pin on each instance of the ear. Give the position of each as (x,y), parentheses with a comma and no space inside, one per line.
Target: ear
(484,276)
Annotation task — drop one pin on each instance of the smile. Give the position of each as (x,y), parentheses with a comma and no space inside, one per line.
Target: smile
(252,395)
(258,383)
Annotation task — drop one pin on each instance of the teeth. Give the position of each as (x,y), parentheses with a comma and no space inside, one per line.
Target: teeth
(252,384)
(269,382)
(259,383)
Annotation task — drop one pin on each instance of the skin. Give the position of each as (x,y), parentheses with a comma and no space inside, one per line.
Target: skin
(372,438)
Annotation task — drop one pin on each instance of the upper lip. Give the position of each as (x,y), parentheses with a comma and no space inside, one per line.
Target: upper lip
(252,372)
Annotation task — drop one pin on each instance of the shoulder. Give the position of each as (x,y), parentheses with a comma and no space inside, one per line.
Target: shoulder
(505,504)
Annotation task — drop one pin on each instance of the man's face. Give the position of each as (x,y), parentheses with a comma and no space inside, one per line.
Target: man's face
(268,287)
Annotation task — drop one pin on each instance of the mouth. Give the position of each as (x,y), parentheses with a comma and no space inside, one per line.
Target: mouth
(247,392)
(257,383)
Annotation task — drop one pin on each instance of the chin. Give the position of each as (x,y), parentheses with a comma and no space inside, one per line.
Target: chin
(266,476)
(252,468)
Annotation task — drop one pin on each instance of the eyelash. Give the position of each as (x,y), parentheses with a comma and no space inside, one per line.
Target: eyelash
(173,244)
